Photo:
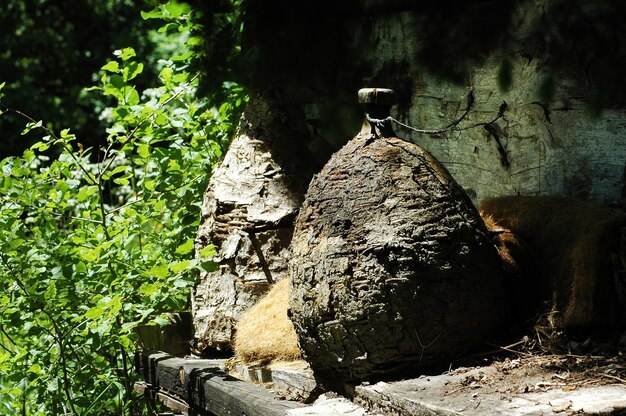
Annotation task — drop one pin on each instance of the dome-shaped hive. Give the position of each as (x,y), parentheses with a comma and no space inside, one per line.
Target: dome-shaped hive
(392,268)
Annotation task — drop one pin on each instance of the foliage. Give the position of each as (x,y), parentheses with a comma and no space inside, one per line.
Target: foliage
(95,241)
(51,50)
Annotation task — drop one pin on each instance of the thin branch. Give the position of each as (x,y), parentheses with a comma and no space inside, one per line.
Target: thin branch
(55,137)
(57,335)
(173,97)
(621,380)
(4,332)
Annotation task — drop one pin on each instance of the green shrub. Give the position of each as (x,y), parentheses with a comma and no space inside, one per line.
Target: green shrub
(94,242)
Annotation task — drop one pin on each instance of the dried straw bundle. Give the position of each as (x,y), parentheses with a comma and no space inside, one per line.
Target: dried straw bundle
(265,332)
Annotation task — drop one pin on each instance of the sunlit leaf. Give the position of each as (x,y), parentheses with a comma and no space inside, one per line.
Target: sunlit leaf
(186,247)
(112,66)
(125,54)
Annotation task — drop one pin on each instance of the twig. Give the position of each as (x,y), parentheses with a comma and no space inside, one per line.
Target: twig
(621,380)
(508,348)
(56,335)
(55,137)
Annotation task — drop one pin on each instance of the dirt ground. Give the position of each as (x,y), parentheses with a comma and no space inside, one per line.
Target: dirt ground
(553,361)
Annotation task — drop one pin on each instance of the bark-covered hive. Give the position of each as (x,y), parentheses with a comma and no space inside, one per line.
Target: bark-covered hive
(392,268)
(248,213)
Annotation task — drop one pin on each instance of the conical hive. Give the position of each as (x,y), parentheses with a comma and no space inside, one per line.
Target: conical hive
(392,268)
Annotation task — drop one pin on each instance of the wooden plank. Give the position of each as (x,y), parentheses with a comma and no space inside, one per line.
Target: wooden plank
(172,403)
(175,374)
(292,380)
(221,394)
(146,362)
(295,380)
(204,386)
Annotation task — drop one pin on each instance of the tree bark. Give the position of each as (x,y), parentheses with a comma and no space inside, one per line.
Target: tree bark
(392,268)
(248,213)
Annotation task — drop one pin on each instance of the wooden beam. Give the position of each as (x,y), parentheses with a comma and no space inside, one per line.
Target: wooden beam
(170,402)
(205,387)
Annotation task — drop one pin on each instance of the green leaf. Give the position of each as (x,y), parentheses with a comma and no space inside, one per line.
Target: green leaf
(119,169)
(95,312)
(132,97)
(51,291)
(161,120)
(194,41)
(179,266)
(28,155)
(125,54)
(65,134)
(41,146)
(80,267)
(180,283)
(208,266)
(161,320)
(159,271)
(186,247)
(166,74)
(35,369)
(121,181)
(117,82)
(177,9)
(150,185)
(143,150)
(148,289)
(182,57)
(112,66)
(208,251)
(89,255)
(85,192)
(180,77)
(169,26)
(132,70)
(152,14)
(31,126)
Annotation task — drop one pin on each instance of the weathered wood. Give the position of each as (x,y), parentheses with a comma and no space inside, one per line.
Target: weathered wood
(292,380)
(295,380)
(392,267)
(248,212)
(488,392)
(170,402)
(171,373)
(146,364)
(331,406)
(225,395)
(204,386)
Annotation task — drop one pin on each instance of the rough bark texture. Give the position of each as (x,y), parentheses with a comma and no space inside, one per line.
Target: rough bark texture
(248,214)
(391,266)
